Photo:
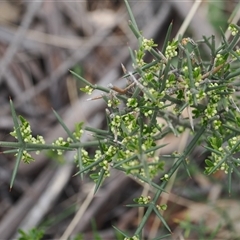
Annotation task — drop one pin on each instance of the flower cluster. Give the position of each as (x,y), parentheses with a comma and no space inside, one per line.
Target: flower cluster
(171,81)
(26,157)
(162,207)
(78,131)
(171,50)
(132,102)
(165,177)
(26,133)
(106,167)
(217,124)
(210,111)
(132,238)
(233,145)
(145,45)
(220,158)
(142,200)
(107,153)
(85,157)
(148,44)
(113,103)
(88,90)
(60,142)
(238,51)
(104,157)
(232,28)
(220,59)
(214,161)
(123,125)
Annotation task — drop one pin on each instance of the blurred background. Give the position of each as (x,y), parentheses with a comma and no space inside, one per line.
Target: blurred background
(40,41)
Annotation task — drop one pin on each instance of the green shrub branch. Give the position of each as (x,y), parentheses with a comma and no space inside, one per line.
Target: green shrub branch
(183,87)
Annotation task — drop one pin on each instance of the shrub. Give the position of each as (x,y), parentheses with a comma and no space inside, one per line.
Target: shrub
(177,79)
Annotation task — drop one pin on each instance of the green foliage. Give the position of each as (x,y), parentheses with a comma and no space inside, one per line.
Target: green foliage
(33,234)
(201,230)
(175,81)
(27,137)
(78,237)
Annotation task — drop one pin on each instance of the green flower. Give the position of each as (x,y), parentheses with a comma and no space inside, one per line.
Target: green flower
(26,133)
(148,44)
(142,200)
(113,102)
(132,102)
(61,143)
(165,177)
(132,238)
(162,207)
(233,29)
(26,157)
(171,49)
(87,89)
